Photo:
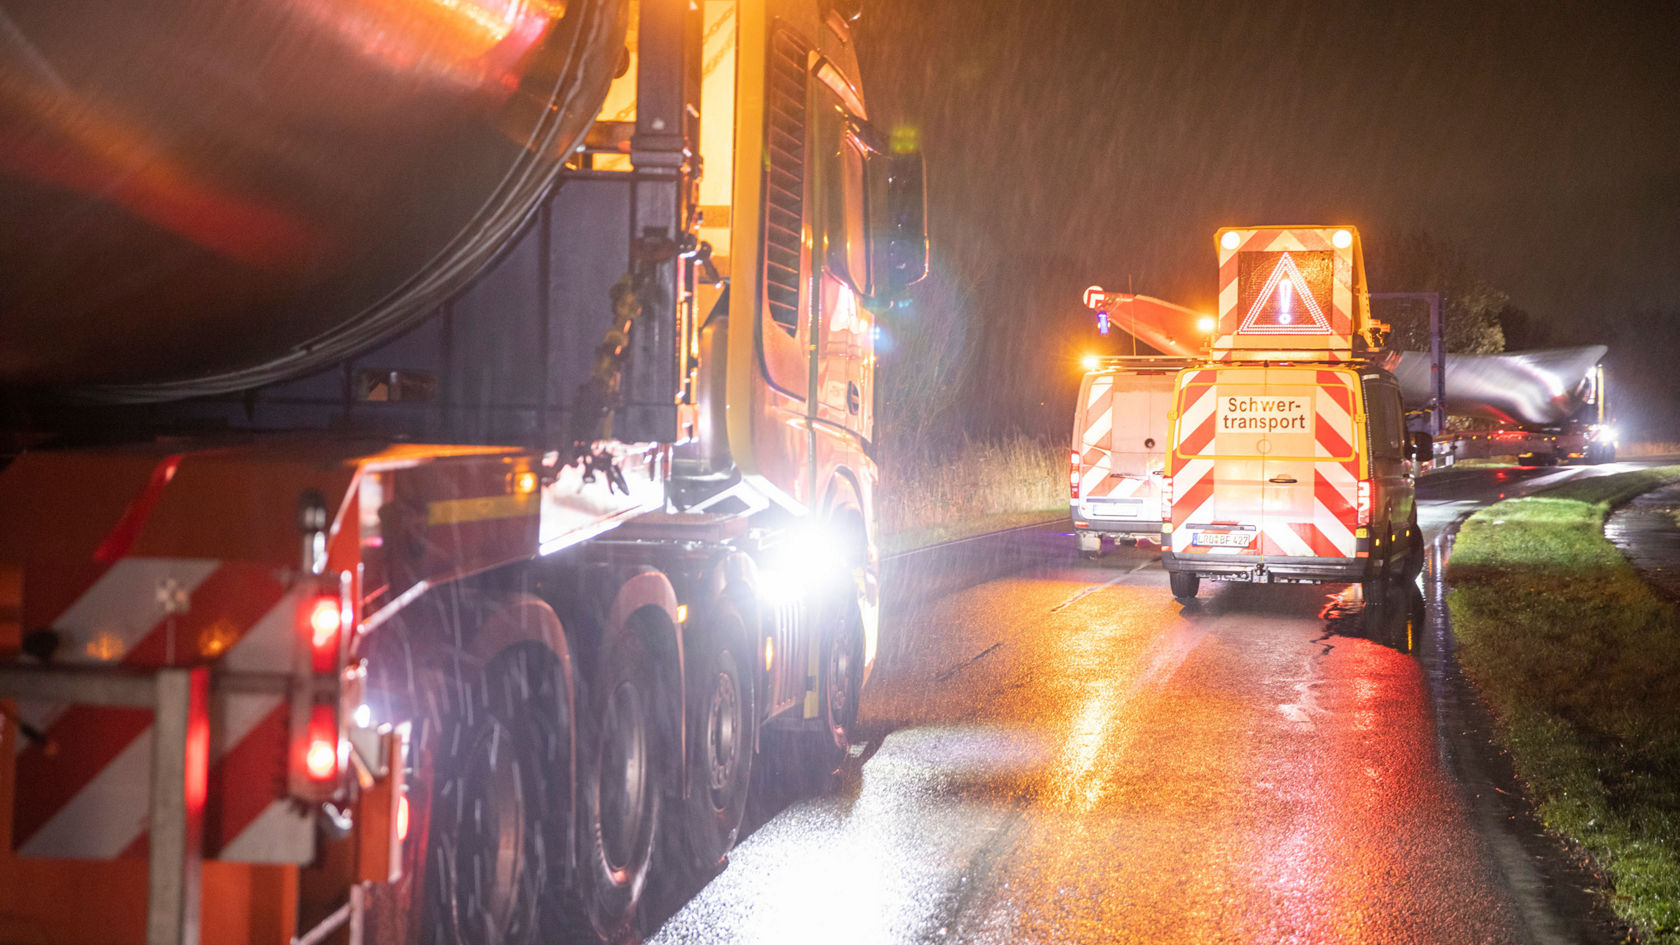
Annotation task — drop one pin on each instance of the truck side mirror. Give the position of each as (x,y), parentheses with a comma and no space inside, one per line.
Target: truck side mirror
(898,214)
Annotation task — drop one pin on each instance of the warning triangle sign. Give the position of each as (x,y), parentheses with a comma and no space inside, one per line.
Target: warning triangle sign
(1284,305)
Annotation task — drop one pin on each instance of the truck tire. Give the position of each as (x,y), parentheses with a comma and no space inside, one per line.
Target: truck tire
(619,785)
(496,826)
(722,731)
(1185,584)
(842,680)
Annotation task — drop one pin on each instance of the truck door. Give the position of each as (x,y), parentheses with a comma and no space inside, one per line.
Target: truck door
(845,335)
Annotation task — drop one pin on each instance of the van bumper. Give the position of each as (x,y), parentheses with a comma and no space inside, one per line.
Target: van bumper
(1122,528)
(1270,569)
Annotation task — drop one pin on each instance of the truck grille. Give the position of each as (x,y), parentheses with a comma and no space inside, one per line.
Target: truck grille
(787,675)
(784,181)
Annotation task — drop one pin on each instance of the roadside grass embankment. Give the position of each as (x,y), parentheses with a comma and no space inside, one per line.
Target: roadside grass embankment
(1644,448)
(979,486)
(1580,661)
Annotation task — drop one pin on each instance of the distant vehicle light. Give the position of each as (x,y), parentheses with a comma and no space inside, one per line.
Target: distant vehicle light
(1230,240)
(1342,239)
(1090,361)
(525,483)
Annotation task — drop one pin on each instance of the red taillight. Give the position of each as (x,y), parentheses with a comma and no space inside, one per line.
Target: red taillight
(1073,473)
(402,818)
(323,620)
(320,756)
(1166,498)
(1362,504)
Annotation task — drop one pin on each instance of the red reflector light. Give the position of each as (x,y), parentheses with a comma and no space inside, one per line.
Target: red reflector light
(320,758)
(1362,506)
(402,817)
(323,618)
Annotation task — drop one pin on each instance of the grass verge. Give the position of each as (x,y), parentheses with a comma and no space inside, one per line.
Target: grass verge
(979,486)
(1580,661)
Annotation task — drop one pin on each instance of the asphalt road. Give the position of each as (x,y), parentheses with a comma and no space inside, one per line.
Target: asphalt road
(1065,754)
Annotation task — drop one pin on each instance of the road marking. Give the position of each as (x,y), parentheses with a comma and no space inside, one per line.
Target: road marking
(1087,592)
(965,663)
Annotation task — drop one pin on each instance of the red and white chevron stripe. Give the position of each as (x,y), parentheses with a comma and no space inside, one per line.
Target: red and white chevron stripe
(1328,325)
(83,793)
(1224,490)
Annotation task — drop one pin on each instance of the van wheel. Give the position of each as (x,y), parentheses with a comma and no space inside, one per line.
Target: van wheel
(722,729)
(1375,585)
(1185,584)
(1414,553)
(619,786)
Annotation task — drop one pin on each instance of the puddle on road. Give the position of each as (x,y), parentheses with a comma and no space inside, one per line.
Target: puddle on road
(1646,532)
(1396,621)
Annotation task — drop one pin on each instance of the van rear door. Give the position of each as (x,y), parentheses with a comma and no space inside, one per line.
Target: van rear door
(1264,462)
(1121,438)
(1217,476)
(1310,462)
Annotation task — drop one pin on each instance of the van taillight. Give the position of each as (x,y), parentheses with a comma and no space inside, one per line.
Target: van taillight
(1166,498)
(323,621)
(1073,473)
(1362,504)
(320,754)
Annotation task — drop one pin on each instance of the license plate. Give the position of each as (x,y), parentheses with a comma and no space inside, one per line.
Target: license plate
(1223,539)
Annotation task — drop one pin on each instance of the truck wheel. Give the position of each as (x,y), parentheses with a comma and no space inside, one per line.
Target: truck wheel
(842,679)
(496,826)
(1185,584)
(618,786)
(722,730)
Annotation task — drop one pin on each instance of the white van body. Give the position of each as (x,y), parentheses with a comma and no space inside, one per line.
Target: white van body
(1119,450)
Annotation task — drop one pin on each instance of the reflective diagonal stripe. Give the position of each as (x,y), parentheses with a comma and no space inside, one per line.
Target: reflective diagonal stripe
(124,606)
(88,798)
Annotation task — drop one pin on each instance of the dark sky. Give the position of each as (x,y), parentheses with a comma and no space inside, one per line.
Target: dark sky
(1088,141)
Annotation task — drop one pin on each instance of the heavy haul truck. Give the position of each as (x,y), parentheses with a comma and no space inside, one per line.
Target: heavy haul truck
(438,454)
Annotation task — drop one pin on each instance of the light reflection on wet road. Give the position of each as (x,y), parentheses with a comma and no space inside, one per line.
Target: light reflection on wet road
(1067,755)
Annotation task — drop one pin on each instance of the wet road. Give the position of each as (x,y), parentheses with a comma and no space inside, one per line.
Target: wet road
(1064,754)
